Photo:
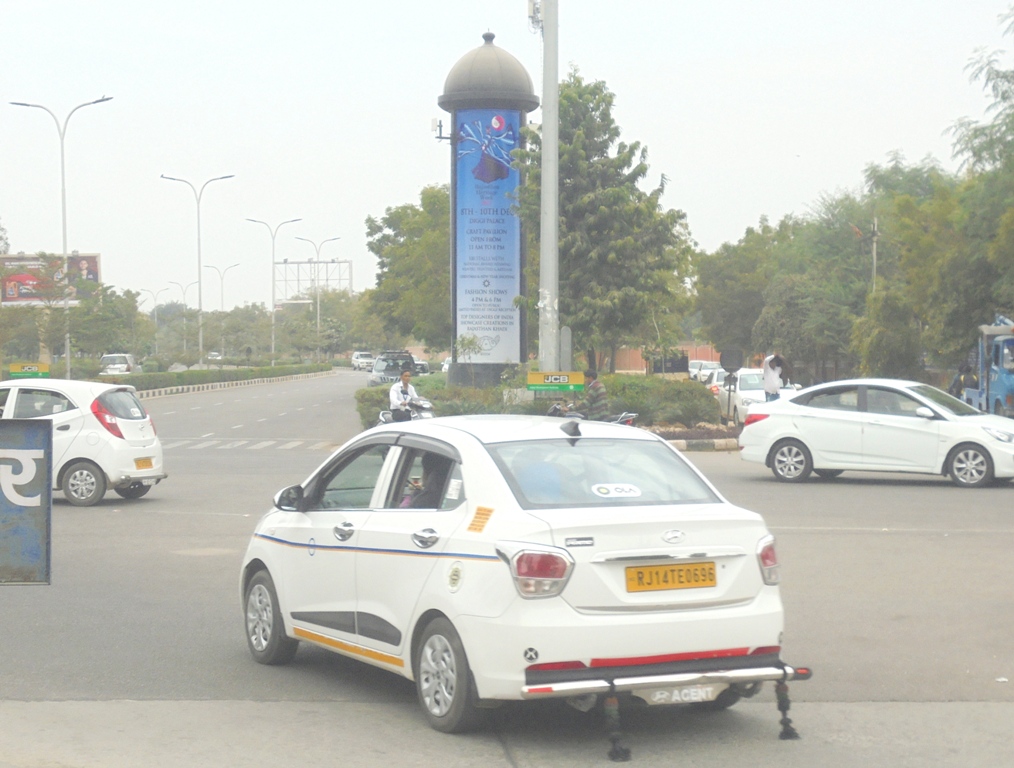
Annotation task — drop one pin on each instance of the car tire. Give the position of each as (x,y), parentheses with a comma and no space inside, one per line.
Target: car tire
(443,680)
(84,484)
(970,466)
(791,461)
(133,491)
(828,474)
(265,627)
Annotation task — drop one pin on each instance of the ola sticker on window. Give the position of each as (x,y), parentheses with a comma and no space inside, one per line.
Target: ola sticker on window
(616,490)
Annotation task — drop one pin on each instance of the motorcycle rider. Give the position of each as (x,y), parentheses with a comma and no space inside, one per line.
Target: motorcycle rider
(402,393)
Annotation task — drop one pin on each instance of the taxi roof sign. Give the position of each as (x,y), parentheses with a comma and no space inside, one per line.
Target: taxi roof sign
(556,381)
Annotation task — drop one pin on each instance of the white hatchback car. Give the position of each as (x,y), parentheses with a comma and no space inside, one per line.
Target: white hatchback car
(882,425)
(102,436)
(491,558)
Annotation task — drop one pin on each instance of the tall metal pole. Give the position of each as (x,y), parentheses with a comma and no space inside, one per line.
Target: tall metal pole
(184,292)
(200,292)
(154,302)
(62,130)
(273,232)
(875,235)
(549,269)
(316,280)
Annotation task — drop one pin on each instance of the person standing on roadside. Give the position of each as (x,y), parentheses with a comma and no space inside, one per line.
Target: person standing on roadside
(402,393)
(774,368)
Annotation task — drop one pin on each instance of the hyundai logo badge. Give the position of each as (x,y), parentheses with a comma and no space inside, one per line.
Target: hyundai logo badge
(673,536)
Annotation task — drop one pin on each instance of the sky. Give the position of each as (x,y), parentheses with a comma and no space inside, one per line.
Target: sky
(323,111)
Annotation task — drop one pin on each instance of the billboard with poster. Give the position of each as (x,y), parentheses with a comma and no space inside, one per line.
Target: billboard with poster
(39,280)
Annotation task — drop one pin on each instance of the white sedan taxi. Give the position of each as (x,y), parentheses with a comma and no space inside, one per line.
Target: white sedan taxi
(883,425)
(492,558)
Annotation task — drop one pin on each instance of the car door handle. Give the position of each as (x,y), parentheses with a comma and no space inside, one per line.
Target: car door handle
(425,538)
(63,427)
(344,531)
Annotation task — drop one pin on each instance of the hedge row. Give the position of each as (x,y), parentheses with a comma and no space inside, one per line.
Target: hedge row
(656,400)
(145,381)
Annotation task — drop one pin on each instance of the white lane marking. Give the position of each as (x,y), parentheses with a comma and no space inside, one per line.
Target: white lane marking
(265,444)
(319,446)
(207,434)
(300,409)
(287,446)
(235,444)
(196,408)
(205,444)
(169,413)
(238,426)
(261,419)
(170,446)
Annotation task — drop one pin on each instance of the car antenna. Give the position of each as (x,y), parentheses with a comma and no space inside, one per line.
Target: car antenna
(573,429)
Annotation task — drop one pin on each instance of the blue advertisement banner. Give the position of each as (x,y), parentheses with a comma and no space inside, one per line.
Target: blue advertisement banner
(26,500)
(487,234)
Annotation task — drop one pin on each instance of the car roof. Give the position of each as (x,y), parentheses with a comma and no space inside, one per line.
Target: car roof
(503,428)
(75,388)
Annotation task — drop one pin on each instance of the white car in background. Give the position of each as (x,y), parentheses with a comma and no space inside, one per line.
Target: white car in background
(362,361)
(493,558)
(883,425)
(745,390)
(699,369)
(102,436)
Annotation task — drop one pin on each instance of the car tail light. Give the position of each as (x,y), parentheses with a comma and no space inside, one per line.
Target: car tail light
(106,419)
(753,418)
(152,422)
(537,571)
(767,558)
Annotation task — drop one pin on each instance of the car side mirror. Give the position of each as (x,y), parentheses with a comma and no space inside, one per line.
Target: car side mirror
(290,499)
(924,412)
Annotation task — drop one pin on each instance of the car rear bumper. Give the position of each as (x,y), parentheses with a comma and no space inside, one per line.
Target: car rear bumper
(519,654)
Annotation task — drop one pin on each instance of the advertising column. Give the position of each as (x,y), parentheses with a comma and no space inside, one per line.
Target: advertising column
(487,268)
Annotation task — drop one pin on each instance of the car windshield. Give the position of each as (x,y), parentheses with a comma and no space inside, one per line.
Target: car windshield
(113,360)
(944,401)
(595,472)
(751,381)
(123,404)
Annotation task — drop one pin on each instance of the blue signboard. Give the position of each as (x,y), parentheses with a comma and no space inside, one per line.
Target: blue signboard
(487,255)
(26,500)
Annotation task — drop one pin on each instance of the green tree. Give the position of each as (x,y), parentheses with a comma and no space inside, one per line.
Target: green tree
(108,321)
(412,246)
(886,340)
(618,247)
(5,245)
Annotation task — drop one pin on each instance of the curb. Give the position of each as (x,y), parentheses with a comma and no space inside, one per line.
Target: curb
(719,444)
(145,394)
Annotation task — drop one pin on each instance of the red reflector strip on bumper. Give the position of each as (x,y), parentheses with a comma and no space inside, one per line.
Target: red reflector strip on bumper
(670,657)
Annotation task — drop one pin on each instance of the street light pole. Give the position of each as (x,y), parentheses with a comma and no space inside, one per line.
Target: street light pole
(273,232)
(154,302)
(184,292)
(221,284)
(316,280)
(200,297)
(62,130)
(221,280)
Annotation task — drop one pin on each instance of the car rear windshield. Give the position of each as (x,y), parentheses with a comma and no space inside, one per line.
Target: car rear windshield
(113,360)
(598,473)
(123,404)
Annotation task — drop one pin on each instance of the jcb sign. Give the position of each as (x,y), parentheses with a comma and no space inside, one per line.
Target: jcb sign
(556,381)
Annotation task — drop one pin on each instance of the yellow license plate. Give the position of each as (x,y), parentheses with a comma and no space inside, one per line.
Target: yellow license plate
(655,578)
(143,464)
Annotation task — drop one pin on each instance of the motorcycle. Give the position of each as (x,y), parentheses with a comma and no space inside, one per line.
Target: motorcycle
(420,408)
(627,418)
